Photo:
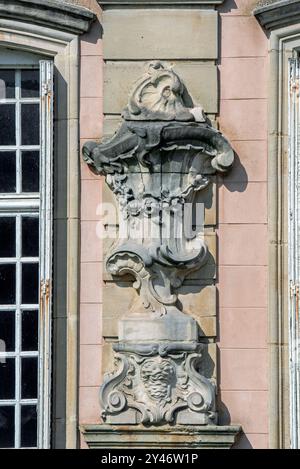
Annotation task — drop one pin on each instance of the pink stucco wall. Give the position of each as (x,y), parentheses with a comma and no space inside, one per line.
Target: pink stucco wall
(91,117)
(242,229)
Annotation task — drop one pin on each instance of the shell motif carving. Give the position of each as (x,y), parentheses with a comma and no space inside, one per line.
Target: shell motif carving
(160,95)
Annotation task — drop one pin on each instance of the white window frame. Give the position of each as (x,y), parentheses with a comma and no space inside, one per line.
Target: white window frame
(46,257)
(294,249)
(17,205)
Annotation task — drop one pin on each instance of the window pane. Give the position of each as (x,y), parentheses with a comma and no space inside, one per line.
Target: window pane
(29,372)
(7,84)
(7,284)
(7,331)
(30,116)
(7,124)
(30,331)
(28,426)
(30,236)
(7,426)
(30,171)
(30,284)
(7,237)
(7,378)
(7,171)
(30,83)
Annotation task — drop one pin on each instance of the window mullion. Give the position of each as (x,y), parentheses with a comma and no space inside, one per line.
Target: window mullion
(18,131)
(18,333)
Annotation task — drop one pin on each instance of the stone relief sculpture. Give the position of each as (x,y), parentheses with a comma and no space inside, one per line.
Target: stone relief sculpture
(164,153)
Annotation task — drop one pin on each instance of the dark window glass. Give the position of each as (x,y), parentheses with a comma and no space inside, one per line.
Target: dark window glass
(30,284)
(7,237)
(28,426)
(30,171)
(7,171)
(7,284)
(30,331)
(30,236)
(30,115)
(7,84)
(7,124)
(29,373)
(7,378)
(30,83)
(7,426)
(7,331)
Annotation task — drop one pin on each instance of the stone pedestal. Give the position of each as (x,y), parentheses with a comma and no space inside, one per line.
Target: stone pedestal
(156,380)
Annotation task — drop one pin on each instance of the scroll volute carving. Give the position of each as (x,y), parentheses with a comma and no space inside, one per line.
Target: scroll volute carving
(164,153)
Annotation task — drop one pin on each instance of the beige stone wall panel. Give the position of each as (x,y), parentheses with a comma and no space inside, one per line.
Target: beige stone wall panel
(200,79)
(141,34)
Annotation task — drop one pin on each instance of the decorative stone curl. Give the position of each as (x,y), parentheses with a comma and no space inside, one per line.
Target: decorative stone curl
(161,95)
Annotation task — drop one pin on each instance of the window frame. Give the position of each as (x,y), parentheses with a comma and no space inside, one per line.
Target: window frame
(46,250)
(284,44)
(294,246)
(18,204)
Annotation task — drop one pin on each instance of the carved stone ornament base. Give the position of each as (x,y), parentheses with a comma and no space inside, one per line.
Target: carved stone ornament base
(163,156)
(158,382)
(123,437)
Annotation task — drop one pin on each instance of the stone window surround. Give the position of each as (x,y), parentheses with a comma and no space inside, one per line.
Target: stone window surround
(277,13)
(284,43)
(59,42)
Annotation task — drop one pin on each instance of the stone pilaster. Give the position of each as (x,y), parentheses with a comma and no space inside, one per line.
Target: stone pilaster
(161,164)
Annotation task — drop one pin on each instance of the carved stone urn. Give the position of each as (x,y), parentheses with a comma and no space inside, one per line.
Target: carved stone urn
(164,153)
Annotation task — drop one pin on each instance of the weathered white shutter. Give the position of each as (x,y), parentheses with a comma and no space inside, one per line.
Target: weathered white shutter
(46,191)
(294,249)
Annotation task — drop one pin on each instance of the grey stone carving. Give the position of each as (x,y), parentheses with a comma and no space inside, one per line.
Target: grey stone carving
(161,389)
(163,155)
(160,96)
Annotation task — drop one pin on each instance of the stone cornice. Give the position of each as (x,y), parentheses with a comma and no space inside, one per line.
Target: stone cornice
(278,14)
(55,14)
(147,3)
(196,437)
